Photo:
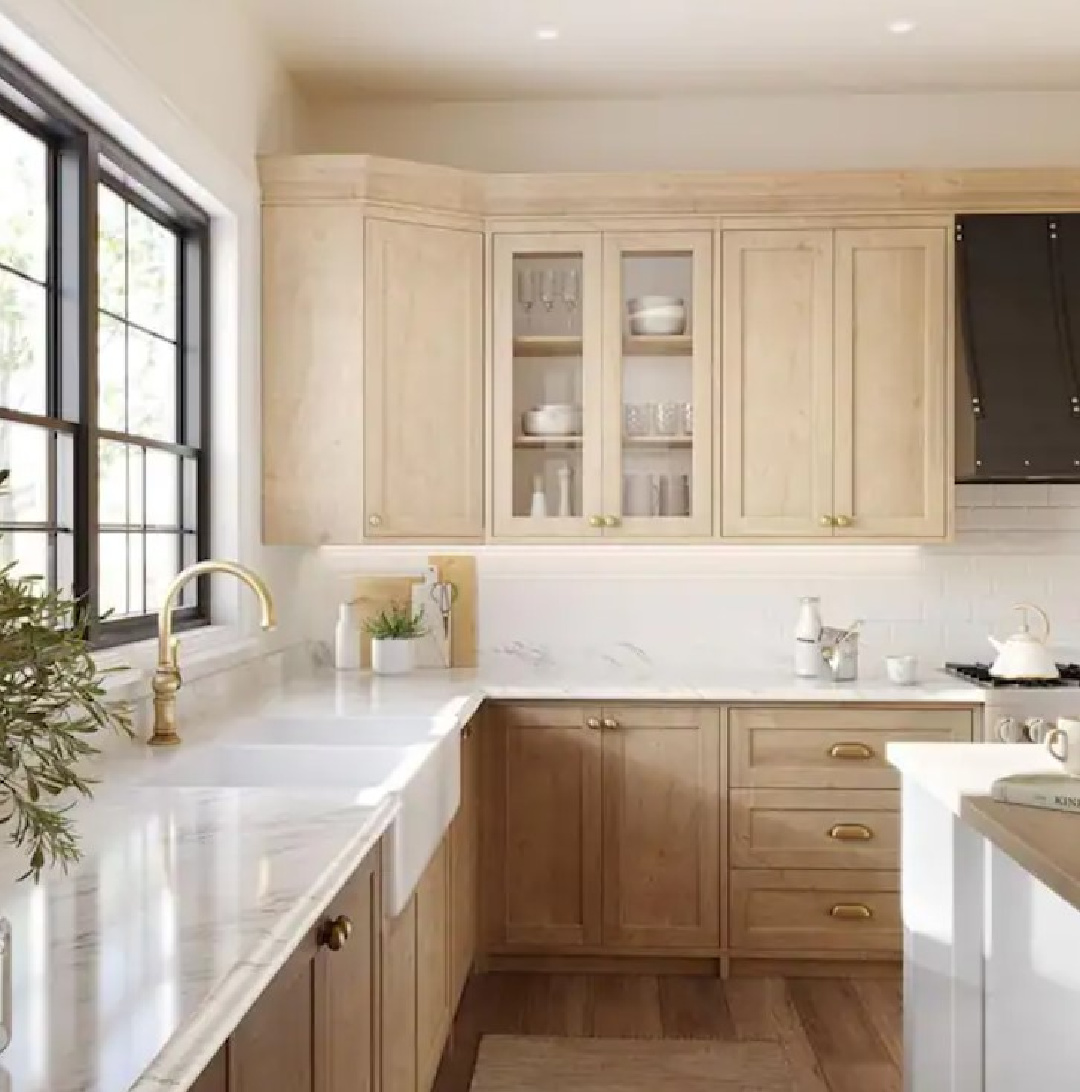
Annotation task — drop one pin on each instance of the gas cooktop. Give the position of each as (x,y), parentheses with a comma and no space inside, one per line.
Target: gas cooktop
(980,675)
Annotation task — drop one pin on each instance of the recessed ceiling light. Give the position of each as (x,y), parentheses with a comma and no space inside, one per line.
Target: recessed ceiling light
(547,34)
(901,26)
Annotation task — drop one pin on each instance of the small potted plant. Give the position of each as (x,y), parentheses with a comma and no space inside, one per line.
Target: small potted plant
(394,633)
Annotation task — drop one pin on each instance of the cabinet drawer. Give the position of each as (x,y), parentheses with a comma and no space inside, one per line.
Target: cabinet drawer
(830,747)
(815,913)
(815,828)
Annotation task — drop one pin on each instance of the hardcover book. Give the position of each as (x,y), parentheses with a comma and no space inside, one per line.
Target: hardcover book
(1055,791)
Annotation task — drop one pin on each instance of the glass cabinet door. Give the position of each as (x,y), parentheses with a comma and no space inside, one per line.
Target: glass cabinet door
(546,369)
(658,384)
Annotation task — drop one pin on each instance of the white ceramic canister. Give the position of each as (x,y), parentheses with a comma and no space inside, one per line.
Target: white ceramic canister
(808,661)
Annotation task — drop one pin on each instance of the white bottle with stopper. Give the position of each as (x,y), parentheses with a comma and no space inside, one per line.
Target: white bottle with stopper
(347,638)
(538,507)
(808,661)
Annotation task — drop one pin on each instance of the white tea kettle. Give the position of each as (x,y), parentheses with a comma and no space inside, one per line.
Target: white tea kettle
(1023,655)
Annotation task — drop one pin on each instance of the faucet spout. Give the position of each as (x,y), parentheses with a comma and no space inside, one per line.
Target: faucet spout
(167,679)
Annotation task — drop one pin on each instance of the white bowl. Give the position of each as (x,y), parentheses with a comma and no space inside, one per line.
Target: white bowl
(647,303)
(659,321)
(552,420)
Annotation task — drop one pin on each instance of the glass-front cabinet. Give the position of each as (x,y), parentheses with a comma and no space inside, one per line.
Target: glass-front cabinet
(601,385)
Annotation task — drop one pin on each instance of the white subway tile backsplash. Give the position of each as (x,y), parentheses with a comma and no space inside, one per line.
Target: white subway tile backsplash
(1026,495)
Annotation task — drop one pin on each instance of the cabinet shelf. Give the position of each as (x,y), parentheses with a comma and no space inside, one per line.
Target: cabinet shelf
(548,441)
(658,345)
(548,345)
(653,442)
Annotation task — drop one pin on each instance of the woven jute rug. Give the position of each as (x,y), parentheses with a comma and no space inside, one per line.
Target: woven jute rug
(510,1063)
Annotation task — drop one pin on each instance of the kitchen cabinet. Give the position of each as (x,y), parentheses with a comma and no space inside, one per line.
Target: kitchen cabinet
(423,421)
(602,838)
(312,1029)
(836,371)
(215,1077)
(372,377)
(465,863)
(398,1001)
(632,453)
(434,1011)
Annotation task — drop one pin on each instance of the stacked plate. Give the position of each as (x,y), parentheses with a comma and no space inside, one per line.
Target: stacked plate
(552,419)
(657,316)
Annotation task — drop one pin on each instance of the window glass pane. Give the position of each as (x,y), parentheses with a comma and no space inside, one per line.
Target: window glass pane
(24,450)
(151,274)
(162,564)
(152,386)
(189,592)
(112,260)
(23,325)
(24,222)
(162,489)
(120,484)
(112,369)
(191,494)
(29,550)
(112,572)
(136,576)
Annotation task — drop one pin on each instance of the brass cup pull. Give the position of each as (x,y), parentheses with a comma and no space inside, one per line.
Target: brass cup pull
(843,521)
(851,832)
(610,722)
(374,521)
(593,722)
(335,934)
(596,521)
(851,911)
(851,750)
(827,521)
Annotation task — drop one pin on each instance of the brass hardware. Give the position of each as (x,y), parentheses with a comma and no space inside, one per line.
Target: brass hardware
(851,832)
(851,911)
(612,521)
(851,750)
(610,723)
(335,934)
(374,520)
(596,521)
(843,521)
(827,521)
(167,680)
(592,722)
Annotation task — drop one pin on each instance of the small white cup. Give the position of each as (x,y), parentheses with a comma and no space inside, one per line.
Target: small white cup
(902,670)
(1063,742)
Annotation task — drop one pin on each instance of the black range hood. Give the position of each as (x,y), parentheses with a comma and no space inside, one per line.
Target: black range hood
(1018,348)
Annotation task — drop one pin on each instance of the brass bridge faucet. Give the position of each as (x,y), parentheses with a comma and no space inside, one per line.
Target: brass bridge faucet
(167,678)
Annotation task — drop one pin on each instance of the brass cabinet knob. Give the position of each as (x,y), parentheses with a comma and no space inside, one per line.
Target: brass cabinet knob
(850,750)
(335,934)
(596,521)
(843,521)
(592,722)
(374,521)
(851,911)
(851,832)
(827,521)
(612,521)
(610,723)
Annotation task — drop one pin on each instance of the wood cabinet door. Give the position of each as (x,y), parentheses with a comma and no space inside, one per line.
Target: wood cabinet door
(433,1010)
(776,290)
(312,374)
(215,1077)
(276,1044)
(465,864)
(541,827)
(397,1016)
(893,370)
(661,827)
(349,992)
(423,420)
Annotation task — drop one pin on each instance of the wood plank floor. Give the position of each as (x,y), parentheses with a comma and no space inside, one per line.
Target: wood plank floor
(839,1034)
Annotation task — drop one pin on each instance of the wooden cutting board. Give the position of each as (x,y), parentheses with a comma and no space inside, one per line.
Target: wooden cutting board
(375,593)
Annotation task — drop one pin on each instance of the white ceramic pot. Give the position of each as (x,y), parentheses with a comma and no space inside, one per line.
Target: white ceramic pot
(393,655)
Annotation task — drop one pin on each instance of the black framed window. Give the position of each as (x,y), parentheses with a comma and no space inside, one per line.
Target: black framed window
(104,358)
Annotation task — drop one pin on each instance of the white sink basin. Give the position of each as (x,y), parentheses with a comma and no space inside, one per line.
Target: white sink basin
(330,731)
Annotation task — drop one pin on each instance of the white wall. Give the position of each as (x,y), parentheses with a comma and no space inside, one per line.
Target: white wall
(190,87)
(756,132)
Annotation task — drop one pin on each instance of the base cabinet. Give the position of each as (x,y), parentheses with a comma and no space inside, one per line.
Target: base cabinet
(465,864)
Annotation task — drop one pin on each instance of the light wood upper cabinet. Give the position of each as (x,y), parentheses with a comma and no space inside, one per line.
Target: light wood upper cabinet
(423,421)
(541,828)
(312,374)
(661,823)
(836,368)
(892,471)
(777,404)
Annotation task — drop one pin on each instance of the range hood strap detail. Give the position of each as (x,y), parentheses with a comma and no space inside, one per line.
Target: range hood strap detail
(966,325)
(1061,315)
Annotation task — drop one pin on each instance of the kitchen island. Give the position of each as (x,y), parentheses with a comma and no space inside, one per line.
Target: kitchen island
(991,909)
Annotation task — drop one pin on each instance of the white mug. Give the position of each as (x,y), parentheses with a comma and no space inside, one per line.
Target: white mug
(902,670)
(1063,742)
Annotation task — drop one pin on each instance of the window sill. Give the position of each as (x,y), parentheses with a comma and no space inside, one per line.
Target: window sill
(203,652)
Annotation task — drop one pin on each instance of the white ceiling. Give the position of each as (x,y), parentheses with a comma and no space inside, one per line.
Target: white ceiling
(624,48)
